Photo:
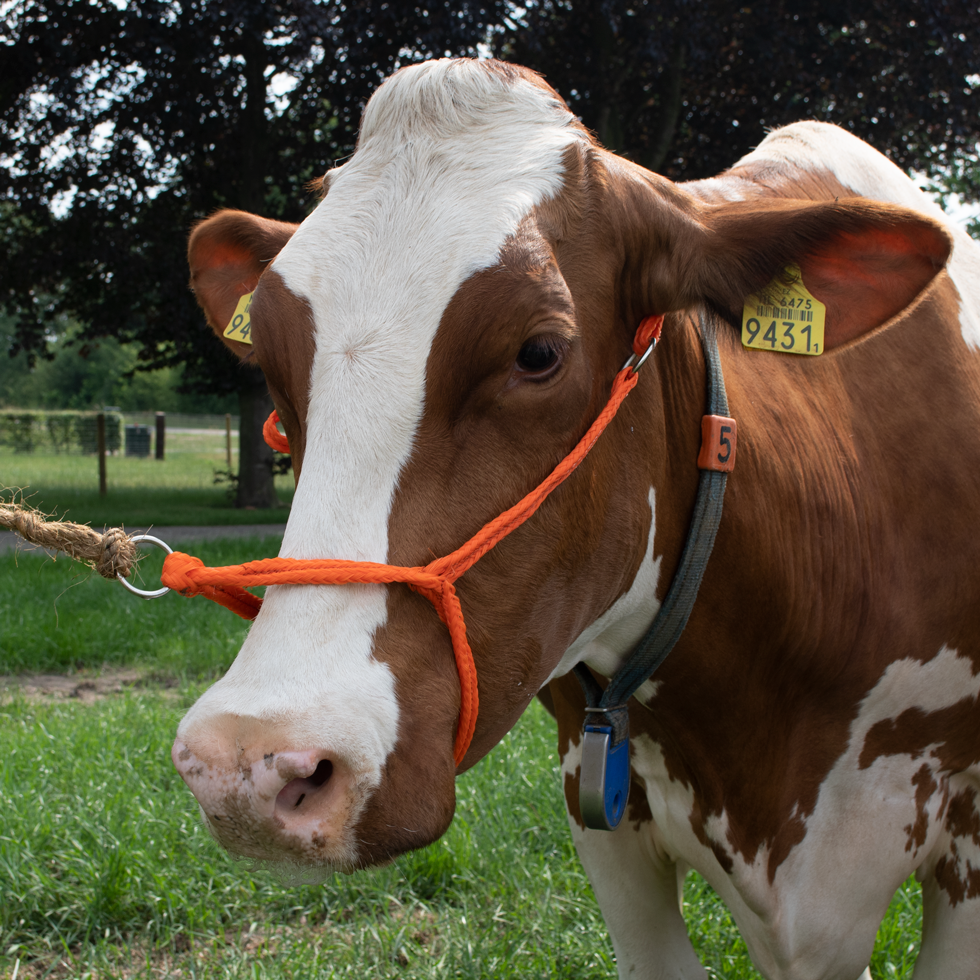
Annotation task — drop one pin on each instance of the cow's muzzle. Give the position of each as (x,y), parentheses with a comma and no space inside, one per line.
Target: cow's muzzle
(292,806)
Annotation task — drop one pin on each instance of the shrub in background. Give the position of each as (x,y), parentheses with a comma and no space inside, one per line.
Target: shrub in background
(23,436)
(61,427)
(87,433)
(25,432)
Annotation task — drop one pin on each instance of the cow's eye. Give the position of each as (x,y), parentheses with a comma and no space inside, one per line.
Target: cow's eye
(540,356)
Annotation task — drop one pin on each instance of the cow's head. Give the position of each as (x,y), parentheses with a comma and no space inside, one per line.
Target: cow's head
(437,335)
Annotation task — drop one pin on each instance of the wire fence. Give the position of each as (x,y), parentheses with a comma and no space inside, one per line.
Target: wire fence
(139,434)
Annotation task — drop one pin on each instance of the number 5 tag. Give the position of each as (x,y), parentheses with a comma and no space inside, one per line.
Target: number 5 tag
(718,434)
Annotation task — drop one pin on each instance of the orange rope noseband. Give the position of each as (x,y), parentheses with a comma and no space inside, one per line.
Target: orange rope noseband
(226,585)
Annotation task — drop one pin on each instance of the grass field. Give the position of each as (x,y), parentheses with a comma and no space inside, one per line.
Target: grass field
(177,490)
(106,871)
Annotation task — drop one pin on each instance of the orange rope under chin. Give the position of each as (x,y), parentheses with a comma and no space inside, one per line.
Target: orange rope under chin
(227,585)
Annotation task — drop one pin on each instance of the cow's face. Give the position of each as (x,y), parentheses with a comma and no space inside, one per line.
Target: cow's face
(437,335)
(425,351)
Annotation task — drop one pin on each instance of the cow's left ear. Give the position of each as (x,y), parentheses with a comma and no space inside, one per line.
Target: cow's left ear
(227,253)
(864,260)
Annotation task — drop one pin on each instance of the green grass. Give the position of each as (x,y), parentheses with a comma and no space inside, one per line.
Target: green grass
(102,853)
(105,869)
(58,616)
(177,490)
(104,865)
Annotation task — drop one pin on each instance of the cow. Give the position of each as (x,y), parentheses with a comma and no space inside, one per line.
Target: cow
(437,335)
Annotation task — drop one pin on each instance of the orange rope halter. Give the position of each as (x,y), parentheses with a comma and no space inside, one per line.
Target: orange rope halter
(273,436)
(226,585)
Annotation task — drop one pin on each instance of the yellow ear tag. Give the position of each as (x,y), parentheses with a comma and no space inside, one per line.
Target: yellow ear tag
(784,317)
(240,327)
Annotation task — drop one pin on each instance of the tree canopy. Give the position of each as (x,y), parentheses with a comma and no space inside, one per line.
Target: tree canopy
(687,88)
(123,122)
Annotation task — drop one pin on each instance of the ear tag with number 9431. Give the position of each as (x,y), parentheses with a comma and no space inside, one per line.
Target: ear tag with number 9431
(240,326)
(784,317)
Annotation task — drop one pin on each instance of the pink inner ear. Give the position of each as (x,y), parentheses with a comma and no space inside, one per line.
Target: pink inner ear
(211,255)
(868,277)
(222,272)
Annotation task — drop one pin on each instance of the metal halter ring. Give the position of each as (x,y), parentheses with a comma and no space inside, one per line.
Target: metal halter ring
(143,592)
(635,361)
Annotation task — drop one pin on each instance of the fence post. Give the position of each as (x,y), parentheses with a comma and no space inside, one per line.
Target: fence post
(228,440)
(100,436)
(161,433)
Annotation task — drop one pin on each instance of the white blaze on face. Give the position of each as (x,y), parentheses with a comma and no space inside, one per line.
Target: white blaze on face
(815,146)
(451,157)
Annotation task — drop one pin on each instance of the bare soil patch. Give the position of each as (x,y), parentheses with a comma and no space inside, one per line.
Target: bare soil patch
(87,687)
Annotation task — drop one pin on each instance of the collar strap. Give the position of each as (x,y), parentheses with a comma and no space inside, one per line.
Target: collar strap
(604,784)
(227,585)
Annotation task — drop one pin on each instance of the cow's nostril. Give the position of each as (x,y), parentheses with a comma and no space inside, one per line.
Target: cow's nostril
(323,771)
(292,795)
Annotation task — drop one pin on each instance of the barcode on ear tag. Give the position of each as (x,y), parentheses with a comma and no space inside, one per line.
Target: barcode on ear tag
(240,326)
(784,317)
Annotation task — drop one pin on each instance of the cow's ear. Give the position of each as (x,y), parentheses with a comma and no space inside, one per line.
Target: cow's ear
(864,260)
(227,253)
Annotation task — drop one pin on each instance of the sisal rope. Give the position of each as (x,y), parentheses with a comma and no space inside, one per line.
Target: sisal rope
(109,554)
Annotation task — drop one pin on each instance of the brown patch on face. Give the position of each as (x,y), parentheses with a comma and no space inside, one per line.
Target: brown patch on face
(416,798)
(491,432)
(283,335)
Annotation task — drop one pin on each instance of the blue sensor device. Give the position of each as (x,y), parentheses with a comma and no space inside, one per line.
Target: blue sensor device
(604,780)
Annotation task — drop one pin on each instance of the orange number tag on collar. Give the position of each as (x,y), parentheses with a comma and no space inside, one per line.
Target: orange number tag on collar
(718,434)
(784,317)
(240,326)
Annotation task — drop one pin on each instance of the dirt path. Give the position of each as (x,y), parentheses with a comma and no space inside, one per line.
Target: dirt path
(86,686)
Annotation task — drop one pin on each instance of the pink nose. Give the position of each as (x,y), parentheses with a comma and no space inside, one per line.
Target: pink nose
(274,806)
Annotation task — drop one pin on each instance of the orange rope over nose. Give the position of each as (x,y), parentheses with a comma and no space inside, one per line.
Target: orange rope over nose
(227,585)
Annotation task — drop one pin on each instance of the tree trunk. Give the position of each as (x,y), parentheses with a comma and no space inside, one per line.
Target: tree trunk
(670,111)
(255,484)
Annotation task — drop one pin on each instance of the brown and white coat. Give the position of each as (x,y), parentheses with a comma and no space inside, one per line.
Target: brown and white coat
(437,335)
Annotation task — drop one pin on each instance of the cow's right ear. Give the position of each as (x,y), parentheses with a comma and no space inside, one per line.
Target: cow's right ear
(227,253)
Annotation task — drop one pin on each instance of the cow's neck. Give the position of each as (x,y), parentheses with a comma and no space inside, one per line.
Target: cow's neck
(651,448)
